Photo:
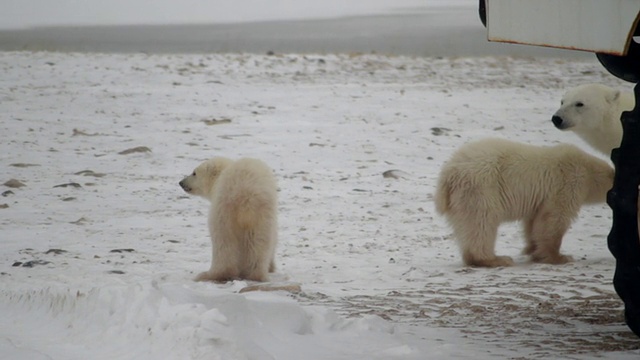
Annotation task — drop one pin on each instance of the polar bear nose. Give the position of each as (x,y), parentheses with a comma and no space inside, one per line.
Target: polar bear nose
(183,185)
(557,121)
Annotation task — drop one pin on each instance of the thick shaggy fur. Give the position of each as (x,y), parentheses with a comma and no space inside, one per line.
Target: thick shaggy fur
(243,217)
(488,182)
(593,112)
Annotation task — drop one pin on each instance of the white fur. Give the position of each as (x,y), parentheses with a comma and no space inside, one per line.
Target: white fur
(593,112)
(488,182)
(243,217)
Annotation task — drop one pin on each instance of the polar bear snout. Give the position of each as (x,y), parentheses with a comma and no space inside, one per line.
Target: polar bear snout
(559,123)
(184,186)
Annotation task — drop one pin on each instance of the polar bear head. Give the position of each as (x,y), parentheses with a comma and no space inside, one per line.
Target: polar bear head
(203,179)
(586,108)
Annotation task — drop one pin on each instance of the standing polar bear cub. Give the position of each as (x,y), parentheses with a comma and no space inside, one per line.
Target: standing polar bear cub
(488,182)
(242,218)
(593,112)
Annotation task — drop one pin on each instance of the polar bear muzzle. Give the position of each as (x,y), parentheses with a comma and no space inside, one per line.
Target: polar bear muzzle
(184,186)
(559,122)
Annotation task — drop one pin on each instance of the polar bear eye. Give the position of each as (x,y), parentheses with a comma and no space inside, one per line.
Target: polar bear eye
(579,104)
(194,173)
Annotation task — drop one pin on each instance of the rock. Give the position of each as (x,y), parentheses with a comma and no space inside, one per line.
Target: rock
(90,173)
(22,165)
(395,174)
(216,121)
(77,132)
(33,263)
(72,184)
(122,250)
(13,183)
(55,251)
(137,149)
(437,131)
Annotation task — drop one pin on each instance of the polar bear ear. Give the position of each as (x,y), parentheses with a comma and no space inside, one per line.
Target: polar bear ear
(613,96)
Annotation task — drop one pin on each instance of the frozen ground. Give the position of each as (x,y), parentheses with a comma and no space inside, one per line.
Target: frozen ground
(99,248)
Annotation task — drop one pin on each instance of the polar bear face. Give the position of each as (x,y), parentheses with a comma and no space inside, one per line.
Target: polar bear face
(202,181)
(586,108)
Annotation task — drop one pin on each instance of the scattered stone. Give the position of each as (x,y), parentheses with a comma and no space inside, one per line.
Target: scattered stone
(23,165)
(291,287)
(80,221)
(137,149)
(216,121)
(68,198)
(16,264)
(56,251)
(72,184)
(122,250)
(118,272)
(173,241)
(33,263)
(4,206)
(437,131)
(231,137)
(90,173)
(395,174)
(498,128)
(77,132)
(7,193)
(13,183)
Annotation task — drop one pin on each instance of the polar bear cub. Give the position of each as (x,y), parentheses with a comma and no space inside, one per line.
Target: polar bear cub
(593,112)
(491,181)
(242,218)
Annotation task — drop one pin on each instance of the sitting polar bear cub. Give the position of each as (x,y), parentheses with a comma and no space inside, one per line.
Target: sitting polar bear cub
(488,182)
(242,218)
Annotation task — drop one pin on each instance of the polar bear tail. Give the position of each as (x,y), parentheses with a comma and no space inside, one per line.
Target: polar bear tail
(443,192)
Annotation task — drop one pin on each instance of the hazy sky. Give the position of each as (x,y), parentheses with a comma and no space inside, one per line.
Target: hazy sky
(26,13)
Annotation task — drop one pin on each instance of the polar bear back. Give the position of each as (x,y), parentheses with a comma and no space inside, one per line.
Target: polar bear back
(511,179)
(246,193)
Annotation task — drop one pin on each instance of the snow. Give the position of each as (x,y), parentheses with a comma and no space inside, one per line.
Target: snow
(381,278)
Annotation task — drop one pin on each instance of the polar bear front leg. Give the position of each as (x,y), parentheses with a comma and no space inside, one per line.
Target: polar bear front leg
(225,262)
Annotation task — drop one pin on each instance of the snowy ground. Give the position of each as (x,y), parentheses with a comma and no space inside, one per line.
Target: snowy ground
(99,248)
